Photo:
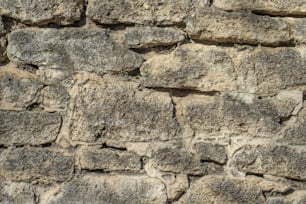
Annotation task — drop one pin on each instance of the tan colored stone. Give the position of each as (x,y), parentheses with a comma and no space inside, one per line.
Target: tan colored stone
(19,193)
(95,188)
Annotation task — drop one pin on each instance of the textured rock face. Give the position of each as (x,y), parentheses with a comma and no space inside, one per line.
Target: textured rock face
(43,12)
(71,49)
(153,101)
(94,188)
(116,112)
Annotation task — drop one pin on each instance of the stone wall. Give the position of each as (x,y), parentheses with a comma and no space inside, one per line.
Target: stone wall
(153,101)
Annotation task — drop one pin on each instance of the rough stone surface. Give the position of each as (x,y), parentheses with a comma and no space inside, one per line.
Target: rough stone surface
(71,49)
(43,12)
(109,160)
(222,189)
(30,164)
(144,37)
(211,152)
(18,193)
(116,112)
(273,160)
(25,127)
(94,188)
(279,7)
(138,12)
(180,161)
(234,27)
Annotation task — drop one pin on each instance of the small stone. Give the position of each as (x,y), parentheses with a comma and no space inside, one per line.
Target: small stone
(106,159)
(28,127)
(31,164)
(210,152)
(18,193)
(94,188)
(43,11)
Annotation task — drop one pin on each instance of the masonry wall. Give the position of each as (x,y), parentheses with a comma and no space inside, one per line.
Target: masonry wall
(153,101)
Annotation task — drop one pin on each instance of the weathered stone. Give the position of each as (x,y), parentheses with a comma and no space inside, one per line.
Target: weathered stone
(191,66)
(220,26)
(71,49)
(3,44)
(181,161)
(279,7)
(297,197)
(43,11)
(114,111)
(274,160)
(261,70)
(94,188)
(54,98)
(108,159)
(210,152)
(19,193)
(144,37)
(28,127)
(176,184)
(30,164)
(222,189)
(2,27)
(18,89)
(224,115)
(159,12)
(297,28)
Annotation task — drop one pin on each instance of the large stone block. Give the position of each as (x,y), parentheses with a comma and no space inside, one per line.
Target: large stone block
(93,188)
(144,37)
(19,193)
(71,49)
(279,7)
(106,159)
(115,112)
(159,12)
(27,127)
(222,189)
(273,160)
(181,161)
(234,27)
(31,164)
(43,11)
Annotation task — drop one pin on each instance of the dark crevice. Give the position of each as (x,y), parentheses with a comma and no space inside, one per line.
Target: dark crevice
(158,49)
(254,174)
(28,67)
(3,146)
(282,120)
(174,108)
(99,171)
(236,42)
(46,144)
(134,73)
(210,2)
(211,161)
(278,14)
(33,106)
(114,27)
(183,92)
(296,180)
(104,145)
(304,95)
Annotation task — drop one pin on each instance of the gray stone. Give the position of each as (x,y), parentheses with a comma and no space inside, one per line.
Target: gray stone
(220,189)
(274,160)
(279,7)
(210,152)
(297,28)
(233,27)
(19,193)
(31,164)
(114,111)
(297,197)
(144,37)
(94,188)
(191,66)
(18,90)
(181,161)
(43,11)
(3,44)
(210,116)
(71,49)
(106,159)
(27,127)
(158,12)
(54,97)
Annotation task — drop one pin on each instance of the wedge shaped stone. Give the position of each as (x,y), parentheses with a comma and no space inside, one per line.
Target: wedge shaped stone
(71,49)
(43,11)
